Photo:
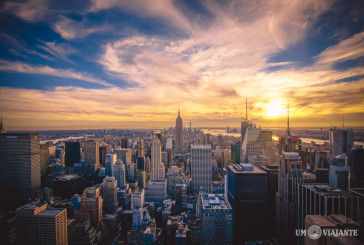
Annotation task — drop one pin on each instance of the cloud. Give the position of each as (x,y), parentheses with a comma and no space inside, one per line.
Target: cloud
(59,50)
(348,49)
(31,10)
(162,8)
(71,29)
(46,70)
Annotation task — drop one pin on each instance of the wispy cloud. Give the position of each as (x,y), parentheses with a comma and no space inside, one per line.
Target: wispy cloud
(46,70)
(71,29)
(31,10)
(59,50)
(348,49)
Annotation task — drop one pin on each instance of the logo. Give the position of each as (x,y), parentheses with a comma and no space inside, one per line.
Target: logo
(314,232)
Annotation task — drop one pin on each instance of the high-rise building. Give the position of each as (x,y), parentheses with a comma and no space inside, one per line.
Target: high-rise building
(124,142)
(216,219)
(137,199)
(235,152)
(179,134)
(118,171)
(252,144)
(2,128)
(109,194)
(91,154)
(339,171)
(91,206)
(201,168)
(103,151)
(341,140)
(44,158)
(247,195)
(19,168)
(110,160)
(290,175)
(141,148)
(322,199)
(72,153)
(157,168)
(36,224)
(156,192)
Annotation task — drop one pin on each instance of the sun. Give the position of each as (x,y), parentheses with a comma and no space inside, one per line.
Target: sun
(275,108)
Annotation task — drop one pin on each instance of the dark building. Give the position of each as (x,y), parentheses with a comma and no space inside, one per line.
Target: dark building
(36,224)
(322,199)
(290,175)
(19,168)
(72,153)
(272,188)
(124,143)
(322,175)
(235,152)
(68,185)
(357,166)
(65,205)
(341,140)
(85,233)
(247,195)
(141,163)
(44,158)
(103,151)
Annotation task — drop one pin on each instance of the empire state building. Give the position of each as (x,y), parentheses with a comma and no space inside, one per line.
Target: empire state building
(179,134)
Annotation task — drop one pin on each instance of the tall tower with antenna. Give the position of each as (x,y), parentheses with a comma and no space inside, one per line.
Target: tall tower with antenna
(245,123)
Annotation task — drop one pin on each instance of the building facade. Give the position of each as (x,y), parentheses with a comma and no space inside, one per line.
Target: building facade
(201,167)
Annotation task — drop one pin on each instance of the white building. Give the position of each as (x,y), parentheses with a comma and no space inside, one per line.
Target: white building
(201,167)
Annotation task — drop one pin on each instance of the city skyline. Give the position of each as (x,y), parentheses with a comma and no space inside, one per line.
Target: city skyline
(116,64)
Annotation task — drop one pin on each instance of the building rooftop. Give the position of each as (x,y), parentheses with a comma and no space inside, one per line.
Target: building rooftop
(245,168)
(200,147)
(291,155)
(327,190)
(214,201)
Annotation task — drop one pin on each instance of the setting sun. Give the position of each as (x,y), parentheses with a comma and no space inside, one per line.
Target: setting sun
(275,108)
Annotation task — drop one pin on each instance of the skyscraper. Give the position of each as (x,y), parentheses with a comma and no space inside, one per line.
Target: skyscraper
(216,219)
(19,168)
(341,140)
(157,168)
(35,224)
(179,134)
(290,175)
(247,195)
(44,158)
(110,194)
(91,154)
(201,167)
(110,160)
(141,148)
(324,199)
(72,153)
(252,144)
(2,128)
(91,206)
(118,171)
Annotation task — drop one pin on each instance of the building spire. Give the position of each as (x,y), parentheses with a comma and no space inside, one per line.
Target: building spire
(2,129)
(179,112)
(288,130)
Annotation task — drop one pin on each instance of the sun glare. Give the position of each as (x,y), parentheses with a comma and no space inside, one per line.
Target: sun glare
(275,108)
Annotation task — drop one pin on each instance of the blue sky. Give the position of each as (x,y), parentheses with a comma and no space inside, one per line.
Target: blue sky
(109,63)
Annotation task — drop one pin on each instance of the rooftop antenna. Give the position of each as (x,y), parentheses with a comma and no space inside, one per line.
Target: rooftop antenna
(343,121)
(288,131)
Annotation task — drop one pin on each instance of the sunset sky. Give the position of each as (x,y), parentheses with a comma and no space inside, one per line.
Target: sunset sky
(132,64)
